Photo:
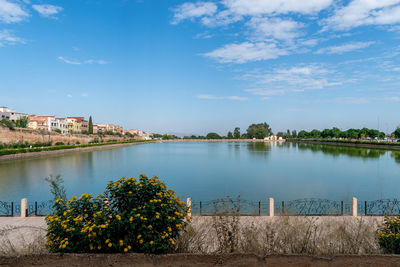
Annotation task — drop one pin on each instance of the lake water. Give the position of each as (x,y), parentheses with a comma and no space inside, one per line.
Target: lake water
(206,171)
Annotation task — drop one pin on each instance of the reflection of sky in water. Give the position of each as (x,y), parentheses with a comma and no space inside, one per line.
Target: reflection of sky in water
(204,171)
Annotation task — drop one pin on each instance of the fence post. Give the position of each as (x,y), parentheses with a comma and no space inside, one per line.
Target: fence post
(189,205)
(12,209)
(36,208)
(341,207)
(259,208)
(24,206)
(271,207)
(365,207)
(354,207)
(200,207)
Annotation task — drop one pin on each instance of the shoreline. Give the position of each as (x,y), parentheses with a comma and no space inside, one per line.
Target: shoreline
(69,150)
(374,146)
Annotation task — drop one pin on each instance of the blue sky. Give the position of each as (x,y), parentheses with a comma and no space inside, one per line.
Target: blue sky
(192,67)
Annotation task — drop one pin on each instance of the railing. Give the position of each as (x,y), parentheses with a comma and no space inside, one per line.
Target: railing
(304,207)
(300,207)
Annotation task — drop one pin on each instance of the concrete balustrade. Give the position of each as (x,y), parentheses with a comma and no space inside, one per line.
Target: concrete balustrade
(189,204)
(354,207)
(24,207)
(271,207)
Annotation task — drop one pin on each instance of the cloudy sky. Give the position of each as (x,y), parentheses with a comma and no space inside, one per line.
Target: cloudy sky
(199,66)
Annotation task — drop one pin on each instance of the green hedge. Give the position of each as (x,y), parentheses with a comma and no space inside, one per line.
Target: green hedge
(59,147)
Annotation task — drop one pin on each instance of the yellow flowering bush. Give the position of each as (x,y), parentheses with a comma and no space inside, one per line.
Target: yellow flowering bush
(388,235)
(130,216)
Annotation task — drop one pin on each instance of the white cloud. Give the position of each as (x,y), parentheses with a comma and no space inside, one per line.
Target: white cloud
(340,49)
(47,10)
(365,12)
(193,10)
(69,61)
(275,27)
(280,81)
(84,94)
(7,38)
(69,96)
(245,52)
(77,62)
(274,7)
(11,12)
(214,97)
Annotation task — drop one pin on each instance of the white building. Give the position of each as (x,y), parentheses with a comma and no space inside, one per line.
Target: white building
(60,124)
(12,115)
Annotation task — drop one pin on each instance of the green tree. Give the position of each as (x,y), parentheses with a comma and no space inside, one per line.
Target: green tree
(315,133)
(22,122)
(90,125)
(259,131)
(229,135)
(213,136)
(236,133)
(294,134)
(397,133)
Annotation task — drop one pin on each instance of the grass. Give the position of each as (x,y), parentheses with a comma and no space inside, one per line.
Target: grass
(52,148)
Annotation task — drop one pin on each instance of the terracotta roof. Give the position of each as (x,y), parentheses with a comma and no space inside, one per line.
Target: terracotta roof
(78,119)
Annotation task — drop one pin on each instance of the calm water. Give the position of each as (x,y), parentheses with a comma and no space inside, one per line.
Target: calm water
(206,171)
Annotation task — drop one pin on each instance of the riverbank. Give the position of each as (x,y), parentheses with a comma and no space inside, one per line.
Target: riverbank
(349,144)
(81,148)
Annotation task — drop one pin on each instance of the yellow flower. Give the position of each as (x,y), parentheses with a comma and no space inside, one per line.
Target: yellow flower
(91,247)
(141,241)
(109,245)
(98,247)
(129,247)
(150,227)
(125,250)
(131,219)
(157,217)
(151,242)
(121,242)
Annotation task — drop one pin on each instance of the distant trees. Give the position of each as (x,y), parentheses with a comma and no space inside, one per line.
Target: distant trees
(352,133)
(229,135)
(259,131)
(236,133)
(213,136)
(397,133)
(90,130)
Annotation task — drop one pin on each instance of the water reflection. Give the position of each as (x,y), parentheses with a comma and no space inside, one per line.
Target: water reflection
(337,151)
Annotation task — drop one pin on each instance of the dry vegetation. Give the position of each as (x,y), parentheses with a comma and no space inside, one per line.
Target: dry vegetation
(280,235)
(22,240)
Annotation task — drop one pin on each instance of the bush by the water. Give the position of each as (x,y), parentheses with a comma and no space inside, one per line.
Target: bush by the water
(132,215)
(388,235)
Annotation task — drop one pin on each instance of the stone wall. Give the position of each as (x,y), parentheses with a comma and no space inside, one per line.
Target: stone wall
(32,136)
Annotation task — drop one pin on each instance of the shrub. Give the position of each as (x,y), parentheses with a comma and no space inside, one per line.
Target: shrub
(59,144)
(130,216)
(388,235)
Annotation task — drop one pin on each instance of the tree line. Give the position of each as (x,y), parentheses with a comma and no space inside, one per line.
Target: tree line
(262,130)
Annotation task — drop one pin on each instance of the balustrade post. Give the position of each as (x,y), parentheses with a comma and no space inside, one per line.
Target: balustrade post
(271,207)
(189,205)
(24,206)
(354,207)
